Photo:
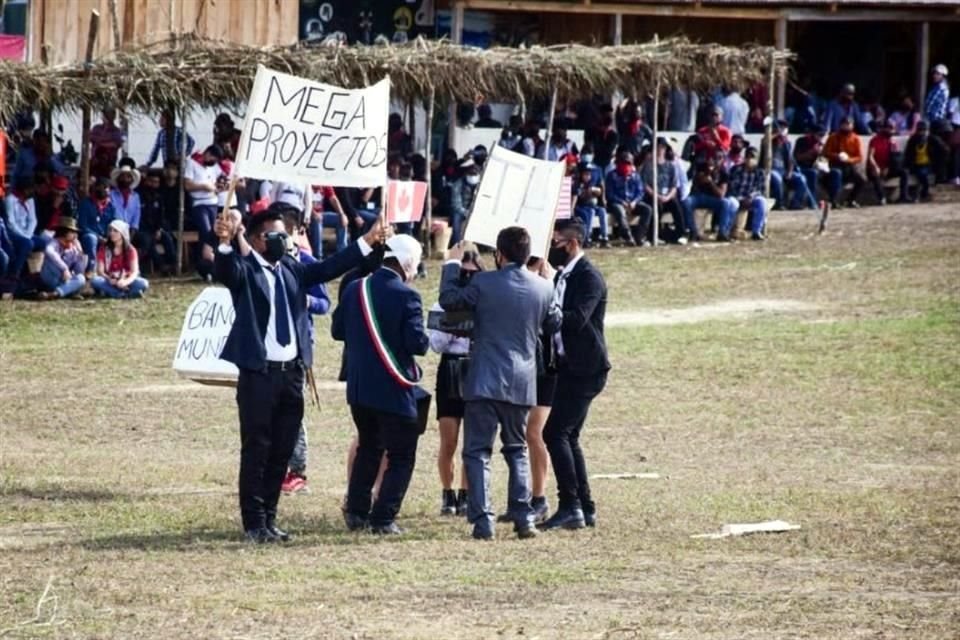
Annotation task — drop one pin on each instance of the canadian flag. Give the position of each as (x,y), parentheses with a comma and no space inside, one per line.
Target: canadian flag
(405,200)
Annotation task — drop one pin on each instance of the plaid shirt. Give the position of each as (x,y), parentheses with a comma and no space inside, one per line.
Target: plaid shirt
(935,106)
(161,145)
(744,183)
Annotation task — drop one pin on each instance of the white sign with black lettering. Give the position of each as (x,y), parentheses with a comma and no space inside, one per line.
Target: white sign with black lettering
(205,330)
(297,130)
(516,191)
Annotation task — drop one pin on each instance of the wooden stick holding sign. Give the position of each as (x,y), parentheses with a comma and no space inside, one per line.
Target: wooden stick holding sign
(429,158)
(553,111)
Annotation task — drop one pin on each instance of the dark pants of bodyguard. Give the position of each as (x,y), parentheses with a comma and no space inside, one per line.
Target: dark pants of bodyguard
(562,437)
(270,403)
(379,432)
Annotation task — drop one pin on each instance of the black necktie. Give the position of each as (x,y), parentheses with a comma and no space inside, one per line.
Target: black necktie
(281,312)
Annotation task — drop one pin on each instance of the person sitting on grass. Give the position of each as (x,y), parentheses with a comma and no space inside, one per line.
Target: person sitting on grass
(921,156)
(746,190)
(118,266)
(63,262)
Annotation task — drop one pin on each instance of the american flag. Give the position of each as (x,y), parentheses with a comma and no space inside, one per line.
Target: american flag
(565,203)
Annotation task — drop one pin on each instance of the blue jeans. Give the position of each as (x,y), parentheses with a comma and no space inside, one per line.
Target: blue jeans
(137,287)
(723,209)
(456,227)
(758,214)
(204,217)
(52,277)
(586,214)
(798,183)
(330,220)
(922,174)
(811,175)
(22,247)
(89,241)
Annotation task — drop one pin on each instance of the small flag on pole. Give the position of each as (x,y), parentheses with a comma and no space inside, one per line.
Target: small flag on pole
(405,201)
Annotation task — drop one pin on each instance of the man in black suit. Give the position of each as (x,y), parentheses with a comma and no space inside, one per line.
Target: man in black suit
(582,373)
(270,344)
(380,318)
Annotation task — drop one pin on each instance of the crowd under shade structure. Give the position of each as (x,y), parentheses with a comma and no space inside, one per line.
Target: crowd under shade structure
(190,72)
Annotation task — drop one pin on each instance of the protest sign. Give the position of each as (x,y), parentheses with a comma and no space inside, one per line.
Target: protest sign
(516,190)
(405,200)
(205,330)
(296,130)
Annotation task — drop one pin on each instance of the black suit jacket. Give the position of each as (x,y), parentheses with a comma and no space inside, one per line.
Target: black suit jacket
(251,301)
(584,308)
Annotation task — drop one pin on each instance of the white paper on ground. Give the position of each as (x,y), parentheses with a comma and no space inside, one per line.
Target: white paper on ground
(729,530)
(625,476)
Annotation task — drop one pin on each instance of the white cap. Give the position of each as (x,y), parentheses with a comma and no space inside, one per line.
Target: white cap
(407,252)
(941,69)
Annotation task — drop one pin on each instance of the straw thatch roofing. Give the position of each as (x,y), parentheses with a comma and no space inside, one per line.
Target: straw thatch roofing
(202,73)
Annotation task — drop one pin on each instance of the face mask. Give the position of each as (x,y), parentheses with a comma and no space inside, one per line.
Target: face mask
(587,157)
(624,168)
(558,256)
(209,163)
(276,246)
(473,180)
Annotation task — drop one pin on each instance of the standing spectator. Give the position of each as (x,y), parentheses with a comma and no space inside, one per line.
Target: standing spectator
(844,152)
(709,191)
(746,189)
(844,106)
(666,189)
(200,181)
(64,263)
(531,139)
(880,163)
(605,141)
(923,153)
(682,109)
(904,120)
(95,215)
(226,136)
(935,106)
(106,138)
(169,141)
(714,135)
(462,192)
(511,137)
(485,118)
(632,129)
(118,265)
(736,110)
(588,196)
(624,195)
(783,172)
(559,146)
(399,142)
(124,197)
(156,238)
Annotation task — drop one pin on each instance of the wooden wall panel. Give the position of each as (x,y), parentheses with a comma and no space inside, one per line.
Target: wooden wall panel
(63,24)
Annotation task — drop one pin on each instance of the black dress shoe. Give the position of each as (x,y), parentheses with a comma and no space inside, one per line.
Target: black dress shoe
(387,530)
(354,522)
(564,519)
(482,533)
(260,535)
(279,533)
(590,518)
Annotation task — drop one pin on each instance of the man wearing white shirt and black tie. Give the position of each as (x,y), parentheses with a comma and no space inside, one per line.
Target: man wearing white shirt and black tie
(582,367)
(270,344)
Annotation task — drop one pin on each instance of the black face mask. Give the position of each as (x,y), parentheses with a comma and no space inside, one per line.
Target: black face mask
(209,163)
(558,257)
(276,246)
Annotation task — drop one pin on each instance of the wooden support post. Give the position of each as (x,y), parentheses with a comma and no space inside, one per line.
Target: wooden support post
(181,204)
(617,29)
(46,115)
(428,153)
(768,138)
(117,43)
(456,36)
(656,189)
(923,60)
(780,39)
(85,134)
(550,119)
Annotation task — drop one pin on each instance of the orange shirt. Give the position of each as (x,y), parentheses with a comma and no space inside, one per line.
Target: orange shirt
(848,143)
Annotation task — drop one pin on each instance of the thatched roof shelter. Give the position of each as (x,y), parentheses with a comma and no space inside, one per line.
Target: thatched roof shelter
(192,72)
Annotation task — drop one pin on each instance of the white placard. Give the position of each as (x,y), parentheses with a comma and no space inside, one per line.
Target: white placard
(205,330)
(297,130)
(516,191)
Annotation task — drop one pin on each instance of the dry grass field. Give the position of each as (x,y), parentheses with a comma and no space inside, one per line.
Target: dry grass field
(812,378)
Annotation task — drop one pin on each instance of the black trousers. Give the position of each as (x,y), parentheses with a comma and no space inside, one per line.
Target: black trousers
(270,404)
(562,437)
(379,432)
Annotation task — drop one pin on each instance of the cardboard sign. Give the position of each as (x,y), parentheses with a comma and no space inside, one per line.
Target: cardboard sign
(516,191)
(296,130)
(565,201)
(205,330)
(404,201)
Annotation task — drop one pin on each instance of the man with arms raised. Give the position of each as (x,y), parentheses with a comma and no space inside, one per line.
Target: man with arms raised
(511,307)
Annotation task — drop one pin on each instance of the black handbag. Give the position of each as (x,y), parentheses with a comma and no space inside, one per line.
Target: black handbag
(423,408)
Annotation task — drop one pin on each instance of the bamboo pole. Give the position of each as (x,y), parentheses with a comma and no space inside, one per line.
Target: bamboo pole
(553,111)
(653,149)
(117,43)
(429,158)
(181,205)
(85,133)
(768,140)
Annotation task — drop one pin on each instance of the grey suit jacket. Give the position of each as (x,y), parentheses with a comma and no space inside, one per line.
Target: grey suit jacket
(511,307)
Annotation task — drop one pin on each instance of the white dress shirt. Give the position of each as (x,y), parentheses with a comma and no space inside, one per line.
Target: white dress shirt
(275,351)
(559,292)
(447,343)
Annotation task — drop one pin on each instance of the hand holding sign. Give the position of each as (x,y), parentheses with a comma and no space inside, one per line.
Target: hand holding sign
(226,228)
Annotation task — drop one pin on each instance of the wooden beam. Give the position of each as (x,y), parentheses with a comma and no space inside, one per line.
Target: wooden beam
(780,42)
(456,36)
(85,133)
(617,29)
(923,60)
